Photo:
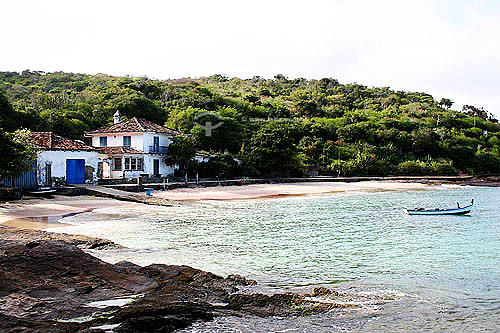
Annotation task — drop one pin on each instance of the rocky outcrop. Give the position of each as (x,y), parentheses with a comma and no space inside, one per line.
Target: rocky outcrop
(52,279)
(8,194)
(83,242)
(46,283)
(184,283)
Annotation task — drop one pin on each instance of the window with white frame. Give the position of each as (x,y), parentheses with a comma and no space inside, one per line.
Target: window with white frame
(133,163)
(127,141)
(117,162)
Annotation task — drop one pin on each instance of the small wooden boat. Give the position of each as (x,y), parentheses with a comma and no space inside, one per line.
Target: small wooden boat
(450,211)
(42,192)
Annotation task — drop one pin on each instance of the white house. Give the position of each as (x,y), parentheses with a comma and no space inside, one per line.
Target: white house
(63,160)
(202,157)
(132,148)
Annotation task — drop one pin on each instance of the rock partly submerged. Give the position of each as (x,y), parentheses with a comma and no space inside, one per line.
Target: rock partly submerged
(81,241)
(53,286)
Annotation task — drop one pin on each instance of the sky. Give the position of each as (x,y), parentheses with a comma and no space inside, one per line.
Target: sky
(447,48)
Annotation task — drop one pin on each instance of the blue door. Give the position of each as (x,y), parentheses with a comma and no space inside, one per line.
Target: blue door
(75,171)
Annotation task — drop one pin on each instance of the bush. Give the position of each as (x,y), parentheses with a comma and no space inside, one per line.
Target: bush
(413,168)
(487,163)
(443,168)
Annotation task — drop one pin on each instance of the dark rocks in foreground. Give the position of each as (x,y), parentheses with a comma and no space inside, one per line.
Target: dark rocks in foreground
(45,282)
(81,241)
(54,280)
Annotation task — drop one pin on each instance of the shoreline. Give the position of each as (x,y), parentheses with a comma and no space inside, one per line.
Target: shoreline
(149,290)
(282,190)
(43,213)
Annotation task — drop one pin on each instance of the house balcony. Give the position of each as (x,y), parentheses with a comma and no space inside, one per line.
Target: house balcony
(158,150)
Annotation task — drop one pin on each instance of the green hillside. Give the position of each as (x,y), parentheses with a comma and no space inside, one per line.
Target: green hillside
(277,126)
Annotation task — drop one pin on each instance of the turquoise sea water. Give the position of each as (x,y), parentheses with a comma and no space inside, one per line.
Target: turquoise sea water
(408,273)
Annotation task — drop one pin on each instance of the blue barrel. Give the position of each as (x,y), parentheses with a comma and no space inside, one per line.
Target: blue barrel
(148,191)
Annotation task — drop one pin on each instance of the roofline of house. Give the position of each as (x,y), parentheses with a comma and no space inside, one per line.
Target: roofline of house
(90,134)
(60,149)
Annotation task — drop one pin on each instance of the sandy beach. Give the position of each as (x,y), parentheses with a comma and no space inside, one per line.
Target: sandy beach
(261,191)
(41,213)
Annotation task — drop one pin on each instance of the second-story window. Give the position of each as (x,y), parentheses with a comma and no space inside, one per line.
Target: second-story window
(103,141)
(126,141)
(156,144)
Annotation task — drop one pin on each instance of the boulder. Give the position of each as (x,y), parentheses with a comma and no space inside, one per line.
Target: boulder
(56,279)
(322,291)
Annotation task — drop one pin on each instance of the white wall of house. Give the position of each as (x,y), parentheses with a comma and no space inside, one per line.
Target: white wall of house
(109,167)
(141,141)
(57,160)
(116,140)
(148,166)
(165,140)
(165,169)
(202,158)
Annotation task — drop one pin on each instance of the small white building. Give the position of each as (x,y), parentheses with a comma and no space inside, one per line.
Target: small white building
(63,160)
(132,148)
(201,157)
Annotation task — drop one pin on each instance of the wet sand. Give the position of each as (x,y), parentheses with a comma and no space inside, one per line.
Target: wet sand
(41,213)
(280,190)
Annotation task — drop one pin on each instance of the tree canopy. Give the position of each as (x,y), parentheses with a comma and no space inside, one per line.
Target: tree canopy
(17,153)
(278,126)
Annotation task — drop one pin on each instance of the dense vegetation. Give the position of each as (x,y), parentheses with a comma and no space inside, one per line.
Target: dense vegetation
(276,126)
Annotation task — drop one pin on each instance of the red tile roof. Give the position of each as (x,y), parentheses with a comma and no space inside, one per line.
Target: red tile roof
(118,150)
(51,141)
(134,125)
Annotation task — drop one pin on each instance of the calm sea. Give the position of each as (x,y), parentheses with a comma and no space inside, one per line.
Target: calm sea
(404,273)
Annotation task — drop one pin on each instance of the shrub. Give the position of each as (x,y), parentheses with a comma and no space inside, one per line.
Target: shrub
(443,168)
(413,168)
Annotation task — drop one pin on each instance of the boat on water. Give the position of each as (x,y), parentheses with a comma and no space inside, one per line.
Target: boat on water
(438,211)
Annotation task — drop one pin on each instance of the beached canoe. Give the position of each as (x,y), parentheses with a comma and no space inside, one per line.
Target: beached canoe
(451,211)
(43,192)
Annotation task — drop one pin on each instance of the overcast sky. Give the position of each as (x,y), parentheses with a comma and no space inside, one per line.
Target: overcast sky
(448,48)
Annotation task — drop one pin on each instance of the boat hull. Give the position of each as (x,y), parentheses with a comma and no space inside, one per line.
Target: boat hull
(454,211)
(42,193)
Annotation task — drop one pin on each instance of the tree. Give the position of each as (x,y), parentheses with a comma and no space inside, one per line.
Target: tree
(181,152)
(227,137)
(446,102)
(7,114)
(276,124)
(272,151)
(17,153)
(311,148)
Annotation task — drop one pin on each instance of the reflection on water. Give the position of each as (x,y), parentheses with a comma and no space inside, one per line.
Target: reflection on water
(445,268)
